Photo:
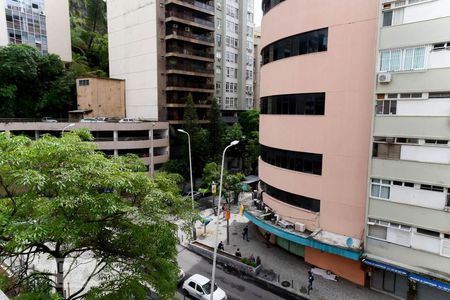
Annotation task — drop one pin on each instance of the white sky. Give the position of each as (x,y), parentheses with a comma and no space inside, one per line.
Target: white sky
(258,12)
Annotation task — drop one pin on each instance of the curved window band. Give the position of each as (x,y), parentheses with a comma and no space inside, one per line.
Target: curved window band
(291,199)
(304,162)
(299,44)
(294,104)
(269,4)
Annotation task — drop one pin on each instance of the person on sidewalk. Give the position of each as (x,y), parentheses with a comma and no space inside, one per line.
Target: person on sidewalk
(258,261)
(310,281)
(245,233)
(252,258)
(220,246)
(267,236)
(238,253)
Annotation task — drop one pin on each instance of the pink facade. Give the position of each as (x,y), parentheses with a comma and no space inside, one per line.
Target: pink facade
(345,73)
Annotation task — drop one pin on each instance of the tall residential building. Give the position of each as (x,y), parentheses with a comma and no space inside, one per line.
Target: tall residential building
(257,60)
(408,224)
(315,123)
(43,24)
(164,50)
(234,56)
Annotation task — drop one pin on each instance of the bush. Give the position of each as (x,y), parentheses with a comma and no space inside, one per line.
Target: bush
(247,261)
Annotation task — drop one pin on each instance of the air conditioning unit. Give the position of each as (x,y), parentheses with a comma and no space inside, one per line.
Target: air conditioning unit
(384,78)
(300,227)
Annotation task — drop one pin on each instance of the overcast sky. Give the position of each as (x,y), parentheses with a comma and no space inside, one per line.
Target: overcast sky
(258,12)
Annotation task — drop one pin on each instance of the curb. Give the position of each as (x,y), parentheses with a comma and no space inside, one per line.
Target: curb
(267,285)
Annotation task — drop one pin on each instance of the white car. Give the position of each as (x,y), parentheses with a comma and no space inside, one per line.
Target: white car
(199,287)
(49,120)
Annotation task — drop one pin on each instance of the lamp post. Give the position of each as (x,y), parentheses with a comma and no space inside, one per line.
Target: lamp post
(233,143)
(152,150)
(68,126)
(194,234)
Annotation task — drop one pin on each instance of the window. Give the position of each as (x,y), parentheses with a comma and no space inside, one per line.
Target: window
(439,95)
(441,46)
(192,284)
(293,160)
(304,43)
(303,202)
(386,151)
(432,188)
(83,82)
(294,104)
(436,142)
(407,59)
(380,188)
(428,232)
(386,107)
(268,4)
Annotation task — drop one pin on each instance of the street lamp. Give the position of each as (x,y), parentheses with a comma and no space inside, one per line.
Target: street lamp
(233,143)
(194,235)
(68,126)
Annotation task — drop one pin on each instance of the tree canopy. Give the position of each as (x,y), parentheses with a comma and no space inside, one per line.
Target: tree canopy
(33,84)
(62,200)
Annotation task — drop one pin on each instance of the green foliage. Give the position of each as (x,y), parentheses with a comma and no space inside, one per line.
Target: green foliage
(190,116)
(249,120)
(33,84)
(89,36)
(231,182)
(62,198)
(215,131)
(247,261)
(176,166)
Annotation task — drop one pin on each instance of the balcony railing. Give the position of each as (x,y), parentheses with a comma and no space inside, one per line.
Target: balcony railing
(188,34)
(198,4)
(189,17)
(192,52)
(189,84)
(191,68)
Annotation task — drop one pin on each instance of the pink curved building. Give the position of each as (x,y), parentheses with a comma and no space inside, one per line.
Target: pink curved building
(315,126)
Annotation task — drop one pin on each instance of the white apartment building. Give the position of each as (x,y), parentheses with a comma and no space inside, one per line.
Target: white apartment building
(234,56)
(408,224)
(44,24)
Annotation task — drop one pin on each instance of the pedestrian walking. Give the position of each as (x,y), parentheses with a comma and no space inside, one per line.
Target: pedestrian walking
(220,246)
(238,253)
(258,260)
(267,236)
(245,233)
(310,281)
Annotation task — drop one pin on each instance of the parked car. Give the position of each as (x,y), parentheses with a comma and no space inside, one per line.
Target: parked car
(91,120)
(197,195)
(198,286)
(129,120)
(102,119)
(49,120)
(181,275)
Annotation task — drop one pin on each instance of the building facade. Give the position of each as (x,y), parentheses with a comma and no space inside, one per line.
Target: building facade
(149,141)
(44,24)
(234,56)
(315,124)
(257,59)
(165,51)
(408,217)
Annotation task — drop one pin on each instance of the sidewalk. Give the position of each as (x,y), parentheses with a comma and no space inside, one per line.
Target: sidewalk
(278,265)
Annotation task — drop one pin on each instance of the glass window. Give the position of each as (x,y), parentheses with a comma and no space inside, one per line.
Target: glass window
(297,161)
(387,18)
(294,104)
(303,202)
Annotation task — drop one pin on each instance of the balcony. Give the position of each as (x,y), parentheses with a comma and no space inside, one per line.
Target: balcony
(188,36)
(174,51)
(189,86)
(196,5)
(189,19)
(189,69)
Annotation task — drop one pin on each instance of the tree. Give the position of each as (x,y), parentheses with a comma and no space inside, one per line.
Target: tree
(231,182)
(249,120)
(62,200)
(190,116)
(215,132)
(34,85)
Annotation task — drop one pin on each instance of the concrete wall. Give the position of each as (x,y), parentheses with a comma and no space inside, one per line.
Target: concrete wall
(106,97)
(58,28)
(427,107)
(433,174)
(350,270)
(419,127)
(409,214)
(418,81)
(133,38)
(414,34)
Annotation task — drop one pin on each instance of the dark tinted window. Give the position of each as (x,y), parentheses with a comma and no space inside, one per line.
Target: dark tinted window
(268,4)
(294,104)
(297,161)
(292,199)
(304,43)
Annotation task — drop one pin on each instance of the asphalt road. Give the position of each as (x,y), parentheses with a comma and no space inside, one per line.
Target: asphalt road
(236,288)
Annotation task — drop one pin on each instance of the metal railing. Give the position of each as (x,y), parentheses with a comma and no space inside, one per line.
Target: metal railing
(198,4)
(191,35)
(189,17)
(192,52)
